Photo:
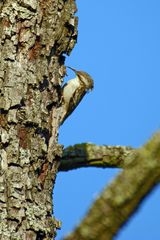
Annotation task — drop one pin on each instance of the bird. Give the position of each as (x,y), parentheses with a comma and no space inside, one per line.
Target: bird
(73,92)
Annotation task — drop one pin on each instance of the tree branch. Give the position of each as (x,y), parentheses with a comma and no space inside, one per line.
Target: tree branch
(91,155)
(122,197)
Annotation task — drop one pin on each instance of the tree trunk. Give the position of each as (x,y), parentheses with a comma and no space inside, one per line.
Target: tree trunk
(34,36)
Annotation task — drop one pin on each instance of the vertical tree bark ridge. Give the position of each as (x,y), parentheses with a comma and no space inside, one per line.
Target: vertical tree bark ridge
(122,197)
(34,35)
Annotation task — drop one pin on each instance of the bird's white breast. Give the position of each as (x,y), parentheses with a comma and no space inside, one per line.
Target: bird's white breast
(70,88)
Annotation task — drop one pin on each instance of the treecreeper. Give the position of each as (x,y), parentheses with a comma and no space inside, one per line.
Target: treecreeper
(73,92)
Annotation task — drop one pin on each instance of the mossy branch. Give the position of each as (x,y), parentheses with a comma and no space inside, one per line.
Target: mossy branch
(123,196)
(91,155)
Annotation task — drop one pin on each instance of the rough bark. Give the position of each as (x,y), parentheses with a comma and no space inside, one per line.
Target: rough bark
(91,155)
(122,197)
(34,35)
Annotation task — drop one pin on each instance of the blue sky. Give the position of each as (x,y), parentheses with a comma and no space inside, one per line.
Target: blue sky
(119,46)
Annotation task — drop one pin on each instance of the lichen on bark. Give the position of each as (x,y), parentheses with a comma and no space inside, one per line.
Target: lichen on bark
(34,36)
